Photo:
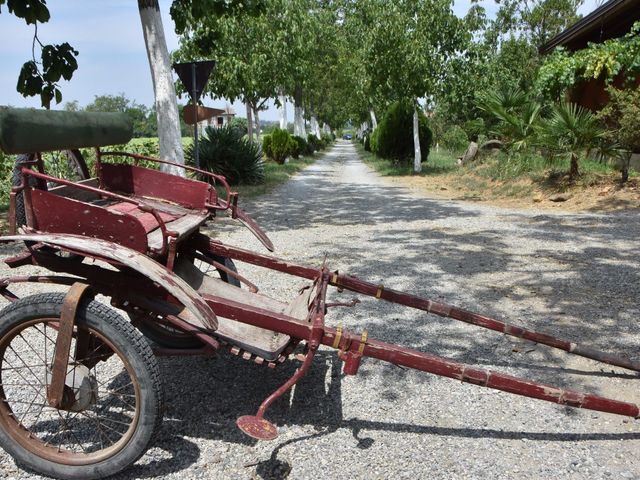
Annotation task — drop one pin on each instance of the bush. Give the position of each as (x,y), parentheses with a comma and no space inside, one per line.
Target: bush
(373,141)
(223,151)
(455,139)
(314,142)
(327,139)
(282,145)
(395,133)
(367,143)
(301,147)
(266,146)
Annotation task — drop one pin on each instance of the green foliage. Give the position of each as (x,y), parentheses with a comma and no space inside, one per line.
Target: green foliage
(266,146)
(622,118)
(455,139)
(395,133)
(225,152)
(518,116)
(570,132)
(366,143)
(57,61)
(239,124)
(144,119)
(301,147)
(563,69)
(281,145)
(314,142)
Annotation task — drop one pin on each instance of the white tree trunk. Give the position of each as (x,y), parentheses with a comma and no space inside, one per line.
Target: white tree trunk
(315,127)
(417,161)
(298,125)
(374,121)
(249,122)
(256,114)
(283,110)
(170,136)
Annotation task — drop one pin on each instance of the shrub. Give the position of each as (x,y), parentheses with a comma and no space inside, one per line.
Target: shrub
(266,146)
(327,139)
(455,139)
(314,142)
(373,141)
(301,147)
(367,143)
(223,151)
(282,145)
(395,133)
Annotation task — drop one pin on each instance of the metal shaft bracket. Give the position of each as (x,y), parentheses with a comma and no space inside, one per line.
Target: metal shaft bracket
(56,390)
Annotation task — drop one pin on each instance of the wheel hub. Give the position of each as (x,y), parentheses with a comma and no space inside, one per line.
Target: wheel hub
(80,388)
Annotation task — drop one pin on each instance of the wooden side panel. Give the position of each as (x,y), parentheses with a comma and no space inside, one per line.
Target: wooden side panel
(144,182)
(56,214)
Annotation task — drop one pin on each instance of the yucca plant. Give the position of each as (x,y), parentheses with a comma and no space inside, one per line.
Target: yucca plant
(223,151)
(570,132)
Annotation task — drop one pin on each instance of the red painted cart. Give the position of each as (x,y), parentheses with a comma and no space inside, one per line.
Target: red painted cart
(80,393)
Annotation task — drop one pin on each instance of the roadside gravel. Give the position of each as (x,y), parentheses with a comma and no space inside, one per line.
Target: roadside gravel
(574,275)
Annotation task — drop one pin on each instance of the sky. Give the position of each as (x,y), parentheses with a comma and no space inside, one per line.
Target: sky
(112,57)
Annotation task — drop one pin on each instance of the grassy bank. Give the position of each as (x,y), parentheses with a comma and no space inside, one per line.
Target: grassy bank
(512,179)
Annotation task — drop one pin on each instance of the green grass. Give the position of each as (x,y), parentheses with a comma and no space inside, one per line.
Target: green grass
(274,175)
(437,163)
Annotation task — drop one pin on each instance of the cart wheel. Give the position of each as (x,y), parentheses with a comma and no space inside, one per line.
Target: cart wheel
(115,384)
(168,337)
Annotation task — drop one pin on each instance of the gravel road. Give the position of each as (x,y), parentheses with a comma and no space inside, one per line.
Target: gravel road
(574,275)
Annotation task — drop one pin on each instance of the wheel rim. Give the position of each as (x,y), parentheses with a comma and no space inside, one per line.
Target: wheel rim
(110,396)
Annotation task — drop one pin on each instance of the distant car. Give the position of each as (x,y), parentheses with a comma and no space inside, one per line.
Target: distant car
(347,136)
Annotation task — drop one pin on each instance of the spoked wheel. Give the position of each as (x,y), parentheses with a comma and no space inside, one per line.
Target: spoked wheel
(162,333)
(114,386)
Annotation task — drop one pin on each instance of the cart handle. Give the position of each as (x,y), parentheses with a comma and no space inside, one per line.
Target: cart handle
(141,205)
(224,205)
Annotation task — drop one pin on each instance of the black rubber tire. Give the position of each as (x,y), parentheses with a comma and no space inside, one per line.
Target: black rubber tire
(165,337)
(139,355)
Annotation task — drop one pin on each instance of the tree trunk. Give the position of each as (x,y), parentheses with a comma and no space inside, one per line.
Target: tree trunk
(374,121)
(624,170)
(298,120)
(256,114)
(315,127)
(169,134)
(573,172)
(249,121)
(417,161)
(283,110)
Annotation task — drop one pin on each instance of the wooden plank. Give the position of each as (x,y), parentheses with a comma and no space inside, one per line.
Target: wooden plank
(56,214)
(184,226)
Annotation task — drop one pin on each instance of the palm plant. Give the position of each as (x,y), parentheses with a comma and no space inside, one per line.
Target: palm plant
(224,151)
(517,115)
(570,132)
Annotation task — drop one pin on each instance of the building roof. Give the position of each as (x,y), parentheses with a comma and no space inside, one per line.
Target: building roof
(611,20)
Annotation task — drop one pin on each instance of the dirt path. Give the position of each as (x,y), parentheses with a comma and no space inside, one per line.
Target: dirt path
(574,275)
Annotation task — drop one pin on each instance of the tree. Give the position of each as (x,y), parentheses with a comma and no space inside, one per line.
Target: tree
(622,119)
(41,77)
(170,138)
(537,20)
(144,120)
(408,45)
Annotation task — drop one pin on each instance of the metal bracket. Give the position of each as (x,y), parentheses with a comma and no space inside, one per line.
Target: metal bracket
(56,390)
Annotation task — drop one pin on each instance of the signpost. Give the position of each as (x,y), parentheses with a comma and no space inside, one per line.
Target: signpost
(194,77)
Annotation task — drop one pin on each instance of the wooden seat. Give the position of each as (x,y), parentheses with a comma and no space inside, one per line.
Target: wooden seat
(259,341)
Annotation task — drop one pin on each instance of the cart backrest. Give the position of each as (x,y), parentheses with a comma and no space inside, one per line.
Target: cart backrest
(27,130)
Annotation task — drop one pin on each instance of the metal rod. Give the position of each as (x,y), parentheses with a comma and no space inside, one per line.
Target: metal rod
(194,99)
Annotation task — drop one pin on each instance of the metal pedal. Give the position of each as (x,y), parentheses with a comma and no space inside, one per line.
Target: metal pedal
(257,427)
